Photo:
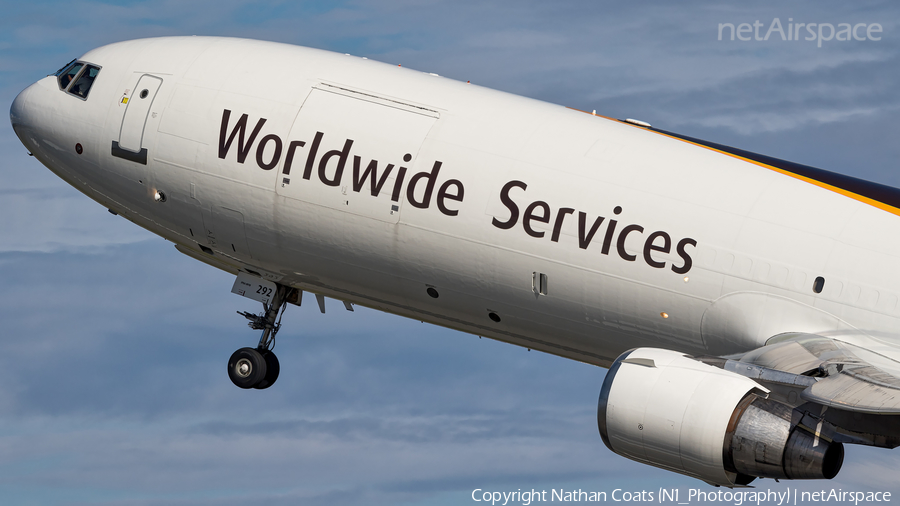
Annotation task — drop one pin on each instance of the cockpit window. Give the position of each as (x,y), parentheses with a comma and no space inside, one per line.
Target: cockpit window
(77,77)
(63,68)
(68,74)
(83,85)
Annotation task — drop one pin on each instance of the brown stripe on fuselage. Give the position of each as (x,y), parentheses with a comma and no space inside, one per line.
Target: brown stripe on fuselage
(878,195)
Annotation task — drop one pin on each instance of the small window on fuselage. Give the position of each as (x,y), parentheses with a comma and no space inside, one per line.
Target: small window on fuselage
(68,74)
(819,284)
(83,85)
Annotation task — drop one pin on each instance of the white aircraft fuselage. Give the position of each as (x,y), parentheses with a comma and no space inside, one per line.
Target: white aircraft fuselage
(446,202)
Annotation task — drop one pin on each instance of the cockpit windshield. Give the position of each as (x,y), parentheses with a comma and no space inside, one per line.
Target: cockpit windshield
(77,77)
(83,85)
(68,74)
(64,67)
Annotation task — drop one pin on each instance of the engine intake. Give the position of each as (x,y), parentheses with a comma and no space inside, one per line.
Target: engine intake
(662,408)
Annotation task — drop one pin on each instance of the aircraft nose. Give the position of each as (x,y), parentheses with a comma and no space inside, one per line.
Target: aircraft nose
(18,110)
(25,116)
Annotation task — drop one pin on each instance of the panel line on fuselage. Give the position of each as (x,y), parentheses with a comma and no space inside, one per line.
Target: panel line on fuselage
(466,326)
(211,174)
(558,262)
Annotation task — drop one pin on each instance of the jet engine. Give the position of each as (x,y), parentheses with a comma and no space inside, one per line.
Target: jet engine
(665,409)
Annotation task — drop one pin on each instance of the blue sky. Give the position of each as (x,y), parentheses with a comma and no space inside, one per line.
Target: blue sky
(114,344)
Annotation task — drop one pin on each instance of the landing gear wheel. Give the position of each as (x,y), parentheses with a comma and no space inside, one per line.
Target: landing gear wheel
(272,370)
(258,367)
(247,368)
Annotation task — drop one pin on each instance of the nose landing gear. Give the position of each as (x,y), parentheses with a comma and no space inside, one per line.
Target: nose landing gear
(258,367)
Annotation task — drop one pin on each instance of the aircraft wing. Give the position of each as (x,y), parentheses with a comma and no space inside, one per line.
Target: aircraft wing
(840,375)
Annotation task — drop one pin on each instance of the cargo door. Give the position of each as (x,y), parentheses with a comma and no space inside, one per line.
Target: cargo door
(353,151)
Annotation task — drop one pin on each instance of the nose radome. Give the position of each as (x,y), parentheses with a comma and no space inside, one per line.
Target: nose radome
(31,110)
(18,111)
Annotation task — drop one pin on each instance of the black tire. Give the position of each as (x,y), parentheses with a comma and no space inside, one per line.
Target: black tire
(246,368)
(272,370)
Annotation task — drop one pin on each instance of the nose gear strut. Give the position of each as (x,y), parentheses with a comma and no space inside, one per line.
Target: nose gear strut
(258,368)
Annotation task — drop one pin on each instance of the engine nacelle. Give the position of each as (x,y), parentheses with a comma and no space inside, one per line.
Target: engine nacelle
(661,408)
